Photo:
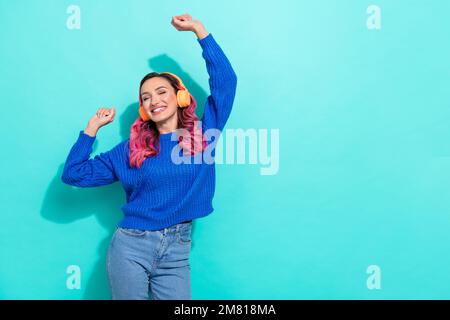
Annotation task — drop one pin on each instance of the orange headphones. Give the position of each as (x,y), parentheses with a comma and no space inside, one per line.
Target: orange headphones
(183,98)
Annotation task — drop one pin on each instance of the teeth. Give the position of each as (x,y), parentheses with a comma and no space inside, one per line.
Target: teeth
(158,109)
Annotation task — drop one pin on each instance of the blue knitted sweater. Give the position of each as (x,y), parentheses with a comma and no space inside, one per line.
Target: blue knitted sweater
(161,193)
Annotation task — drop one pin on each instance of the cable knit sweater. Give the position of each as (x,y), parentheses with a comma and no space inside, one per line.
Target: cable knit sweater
(161,193)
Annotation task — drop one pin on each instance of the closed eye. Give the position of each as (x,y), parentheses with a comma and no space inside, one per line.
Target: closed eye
(146,98)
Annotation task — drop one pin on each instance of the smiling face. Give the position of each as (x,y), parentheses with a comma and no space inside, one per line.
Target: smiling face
(159,99)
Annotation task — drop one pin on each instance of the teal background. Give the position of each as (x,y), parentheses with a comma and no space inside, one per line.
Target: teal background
(364,144)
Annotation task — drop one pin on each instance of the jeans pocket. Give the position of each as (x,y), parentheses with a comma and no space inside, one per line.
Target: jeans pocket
(184,233)
(133,232)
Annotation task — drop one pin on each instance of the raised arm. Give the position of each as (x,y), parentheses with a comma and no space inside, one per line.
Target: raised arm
(222,78)
(79,169)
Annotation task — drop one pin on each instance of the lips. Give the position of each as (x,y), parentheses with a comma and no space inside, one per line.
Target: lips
(157,110)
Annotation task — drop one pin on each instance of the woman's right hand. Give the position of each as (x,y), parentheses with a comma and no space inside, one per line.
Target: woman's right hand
(102,117)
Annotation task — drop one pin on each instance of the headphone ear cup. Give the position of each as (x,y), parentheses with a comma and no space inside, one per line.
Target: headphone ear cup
(183,98)
(144,116)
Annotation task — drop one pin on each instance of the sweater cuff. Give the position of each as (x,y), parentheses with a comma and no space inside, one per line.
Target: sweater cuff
(86,137)
(206,41)
(84,143)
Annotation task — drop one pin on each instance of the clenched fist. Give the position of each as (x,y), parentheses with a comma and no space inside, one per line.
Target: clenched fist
(185,22)
(102,117)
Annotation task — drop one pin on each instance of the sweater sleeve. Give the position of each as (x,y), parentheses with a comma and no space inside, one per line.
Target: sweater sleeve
(80,171)
(222,83)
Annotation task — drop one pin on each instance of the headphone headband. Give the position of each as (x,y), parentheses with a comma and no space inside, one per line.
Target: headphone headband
(176,77)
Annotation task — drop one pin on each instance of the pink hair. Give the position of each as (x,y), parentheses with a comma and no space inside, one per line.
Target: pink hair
(144,137)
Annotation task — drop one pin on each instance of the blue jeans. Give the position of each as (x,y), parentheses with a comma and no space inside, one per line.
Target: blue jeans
(144,264)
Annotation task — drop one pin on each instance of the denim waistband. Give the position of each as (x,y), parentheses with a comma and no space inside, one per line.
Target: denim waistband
(175,227)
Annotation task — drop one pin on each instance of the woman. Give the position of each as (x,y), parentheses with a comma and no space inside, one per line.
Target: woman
(148,256)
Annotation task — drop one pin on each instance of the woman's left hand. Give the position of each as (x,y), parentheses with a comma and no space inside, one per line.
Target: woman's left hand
(185,23)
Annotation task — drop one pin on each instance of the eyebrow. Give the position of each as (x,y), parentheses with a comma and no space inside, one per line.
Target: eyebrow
(155,90)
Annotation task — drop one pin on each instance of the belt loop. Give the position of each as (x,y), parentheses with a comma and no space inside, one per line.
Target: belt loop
(178,227)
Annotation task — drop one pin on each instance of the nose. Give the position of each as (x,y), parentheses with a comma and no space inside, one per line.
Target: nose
(154,102)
